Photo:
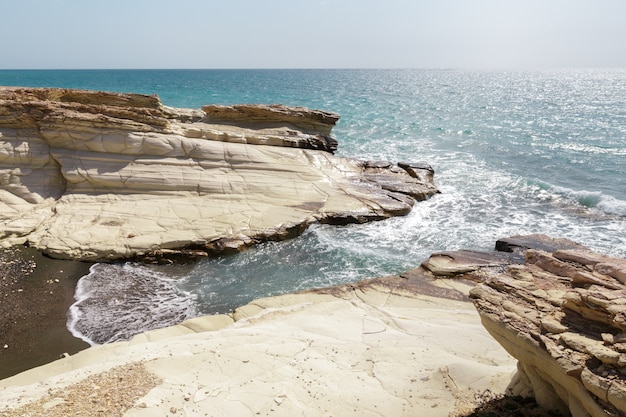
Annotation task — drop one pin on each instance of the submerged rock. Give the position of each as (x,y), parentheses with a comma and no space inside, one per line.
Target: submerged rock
(98,176)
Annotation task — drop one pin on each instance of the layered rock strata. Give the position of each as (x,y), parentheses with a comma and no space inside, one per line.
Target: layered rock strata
(98,176)
(560,310)
(382,347)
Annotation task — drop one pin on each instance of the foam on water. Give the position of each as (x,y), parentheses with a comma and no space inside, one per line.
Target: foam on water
(117,301)
(469,213)
(612,205)
(514,153)
(592,203)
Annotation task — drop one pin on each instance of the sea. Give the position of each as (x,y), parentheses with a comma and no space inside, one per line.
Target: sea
(514,152)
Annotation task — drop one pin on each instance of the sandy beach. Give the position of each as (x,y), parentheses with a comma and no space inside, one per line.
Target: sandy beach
(36,293)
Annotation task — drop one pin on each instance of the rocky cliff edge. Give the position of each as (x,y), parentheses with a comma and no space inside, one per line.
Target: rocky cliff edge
(93,175)
(407,345)
(560,310)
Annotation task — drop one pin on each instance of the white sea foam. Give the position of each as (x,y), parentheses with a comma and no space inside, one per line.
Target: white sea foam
(599,202)
(117,301)
(514,153)
(612,205)
(587,149)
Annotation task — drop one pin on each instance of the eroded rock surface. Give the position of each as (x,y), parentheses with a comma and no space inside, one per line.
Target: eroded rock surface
(316,125)
(381,347)
(95,176)
(562,314)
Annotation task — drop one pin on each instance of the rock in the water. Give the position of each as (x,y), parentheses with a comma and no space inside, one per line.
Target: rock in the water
(393,178)
(563,316)
(95,176)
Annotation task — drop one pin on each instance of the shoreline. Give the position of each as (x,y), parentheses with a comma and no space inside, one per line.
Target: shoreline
(36,293)
(416,313)
(390,349)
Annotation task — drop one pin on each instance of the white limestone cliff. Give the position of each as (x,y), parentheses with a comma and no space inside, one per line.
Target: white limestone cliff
(98,176)
(382,347)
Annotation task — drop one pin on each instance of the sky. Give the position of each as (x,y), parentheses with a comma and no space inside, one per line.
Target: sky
(84,34)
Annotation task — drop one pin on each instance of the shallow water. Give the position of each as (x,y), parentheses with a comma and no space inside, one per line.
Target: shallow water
(117,301)
(514,153)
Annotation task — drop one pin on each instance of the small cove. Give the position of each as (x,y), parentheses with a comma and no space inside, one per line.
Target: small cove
(515,152)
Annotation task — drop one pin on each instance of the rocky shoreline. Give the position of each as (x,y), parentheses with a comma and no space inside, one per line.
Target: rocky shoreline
(98,176)
(94,176)
(136,382)
(562,314)
(383,346)
(395,338)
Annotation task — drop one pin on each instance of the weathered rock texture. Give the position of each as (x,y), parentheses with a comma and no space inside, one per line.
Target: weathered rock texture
(562,314)
(382,347)
(315,125)
(93,176)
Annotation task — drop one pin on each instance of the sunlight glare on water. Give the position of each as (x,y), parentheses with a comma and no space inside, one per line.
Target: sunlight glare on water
(515,152)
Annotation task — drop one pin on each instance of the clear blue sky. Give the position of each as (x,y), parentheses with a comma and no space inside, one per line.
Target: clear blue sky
(312,33)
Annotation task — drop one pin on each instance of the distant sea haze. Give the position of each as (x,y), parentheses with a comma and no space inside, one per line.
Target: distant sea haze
(514,153)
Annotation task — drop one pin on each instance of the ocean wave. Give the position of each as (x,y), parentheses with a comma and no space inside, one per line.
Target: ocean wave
(587,149)
(114,302)
(595,200)
(511,127)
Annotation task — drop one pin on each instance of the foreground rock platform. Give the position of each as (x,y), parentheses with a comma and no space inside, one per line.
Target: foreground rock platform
(560,310)
(382,347)
(96,176)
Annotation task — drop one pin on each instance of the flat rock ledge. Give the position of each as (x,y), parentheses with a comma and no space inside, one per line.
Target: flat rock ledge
(382,347)
(93,176)
(560,310)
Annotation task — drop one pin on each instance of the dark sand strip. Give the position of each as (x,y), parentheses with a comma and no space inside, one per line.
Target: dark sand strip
(35,295)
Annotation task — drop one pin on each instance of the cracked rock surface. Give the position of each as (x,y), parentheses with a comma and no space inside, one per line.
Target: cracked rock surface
(561,312)
(396,346)
(93,176)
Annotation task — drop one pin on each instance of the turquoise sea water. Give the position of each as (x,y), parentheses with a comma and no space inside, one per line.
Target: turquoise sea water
(515,152)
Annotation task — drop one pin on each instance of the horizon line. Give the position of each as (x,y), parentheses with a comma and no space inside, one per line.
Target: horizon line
(326,68)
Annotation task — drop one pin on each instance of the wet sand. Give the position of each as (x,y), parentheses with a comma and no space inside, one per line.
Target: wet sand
(35,295)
